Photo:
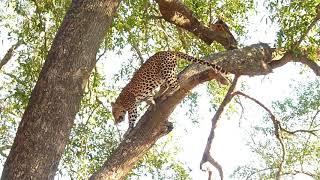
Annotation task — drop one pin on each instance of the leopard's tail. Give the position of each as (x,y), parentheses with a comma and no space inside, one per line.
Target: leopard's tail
(217,68)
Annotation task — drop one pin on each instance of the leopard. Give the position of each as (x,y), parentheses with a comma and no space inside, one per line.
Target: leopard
(158,71)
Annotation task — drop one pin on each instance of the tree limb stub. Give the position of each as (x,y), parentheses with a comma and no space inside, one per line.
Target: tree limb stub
(177,13)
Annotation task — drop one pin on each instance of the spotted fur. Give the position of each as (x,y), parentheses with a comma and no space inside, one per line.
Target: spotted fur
(159,69)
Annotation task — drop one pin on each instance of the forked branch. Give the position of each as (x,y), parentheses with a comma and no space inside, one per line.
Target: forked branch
(277,128)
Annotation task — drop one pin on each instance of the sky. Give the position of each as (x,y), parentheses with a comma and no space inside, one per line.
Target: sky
(229,147)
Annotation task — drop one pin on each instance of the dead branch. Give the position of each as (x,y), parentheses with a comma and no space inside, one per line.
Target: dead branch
(277,128)
(206,157)
(238,101)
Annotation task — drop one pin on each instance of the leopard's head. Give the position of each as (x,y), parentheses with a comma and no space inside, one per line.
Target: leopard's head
(118,112)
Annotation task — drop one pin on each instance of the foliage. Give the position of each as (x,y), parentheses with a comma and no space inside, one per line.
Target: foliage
(294,18)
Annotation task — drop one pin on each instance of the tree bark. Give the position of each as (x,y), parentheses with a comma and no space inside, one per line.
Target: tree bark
(46,123)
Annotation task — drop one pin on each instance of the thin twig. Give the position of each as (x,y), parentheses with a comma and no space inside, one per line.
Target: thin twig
(313,23)
(277,128)
(136,48)
(238,100)
(206,154)
(313,131)
(102,54)
(9,54)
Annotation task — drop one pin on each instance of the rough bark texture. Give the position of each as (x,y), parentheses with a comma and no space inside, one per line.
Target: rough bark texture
(154,123)
(49,116)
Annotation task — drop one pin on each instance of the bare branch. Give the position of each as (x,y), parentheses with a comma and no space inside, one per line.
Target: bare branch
(206,157)
(313,131)
(277,127)
(136,48)
(238,101)
(102,54)
(9,54)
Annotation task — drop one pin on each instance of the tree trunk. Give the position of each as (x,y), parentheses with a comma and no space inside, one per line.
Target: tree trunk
(46,123)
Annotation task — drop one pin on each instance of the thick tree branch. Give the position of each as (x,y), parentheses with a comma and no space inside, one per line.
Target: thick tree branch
(48,118)
(304,59)
(312,131)
(175,12)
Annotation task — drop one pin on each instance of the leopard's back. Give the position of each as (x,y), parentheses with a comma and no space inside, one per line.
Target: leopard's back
(144,81)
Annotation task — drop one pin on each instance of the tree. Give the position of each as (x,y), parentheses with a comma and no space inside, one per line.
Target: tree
(45,126)
(155,26)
